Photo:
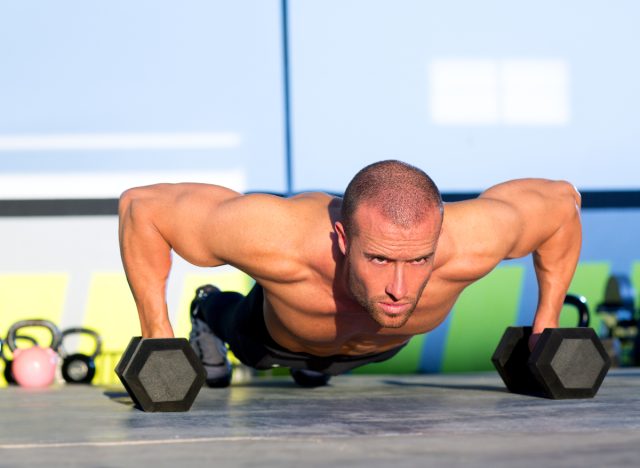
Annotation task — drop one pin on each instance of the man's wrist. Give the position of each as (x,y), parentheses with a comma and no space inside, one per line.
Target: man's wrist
(158,332)
(540,323)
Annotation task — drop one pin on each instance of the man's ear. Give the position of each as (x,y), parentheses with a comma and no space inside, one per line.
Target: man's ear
(342,237)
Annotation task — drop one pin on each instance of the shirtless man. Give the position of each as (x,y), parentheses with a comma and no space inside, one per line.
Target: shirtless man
(340,282)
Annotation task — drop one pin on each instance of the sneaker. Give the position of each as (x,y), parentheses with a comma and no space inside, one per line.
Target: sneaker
(209,348)
(308,378)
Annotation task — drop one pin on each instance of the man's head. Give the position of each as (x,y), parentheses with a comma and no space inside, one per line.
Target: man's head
(390,223)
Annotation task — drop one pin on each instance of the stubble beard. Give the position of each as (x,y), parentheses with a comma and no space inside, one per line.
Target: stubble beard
(371,305)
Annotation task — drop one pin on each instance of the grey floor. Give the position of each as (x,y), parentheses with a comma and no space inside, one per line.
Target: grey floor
(399,421)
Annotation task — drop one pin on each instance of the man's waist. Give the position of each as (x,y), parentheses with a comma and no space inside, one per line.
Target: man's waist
(283,351)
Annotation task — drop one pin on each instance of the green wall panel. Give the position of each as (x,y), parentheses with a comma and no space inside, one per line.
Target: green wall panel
(479,319)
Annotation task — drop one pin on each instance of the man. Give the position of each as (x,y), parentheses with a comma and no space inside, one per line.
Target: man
(340,282)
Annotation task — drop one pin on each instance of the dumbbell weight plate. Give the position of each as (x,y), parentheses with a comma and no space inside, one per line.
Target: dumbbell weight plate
(126,356)
(510,360)
(122,364)
(569,362)
(161,374)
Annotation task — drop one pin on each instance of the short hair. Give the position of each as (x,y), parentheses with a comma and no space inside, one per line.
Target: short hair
(403,193)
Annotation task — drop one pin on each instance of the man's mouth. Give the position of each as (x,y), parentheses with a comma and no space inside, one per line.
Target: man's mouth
(394,308)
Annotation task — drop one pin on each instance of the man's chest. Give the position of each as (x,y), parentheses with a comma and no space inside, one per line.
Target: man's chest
(321,322)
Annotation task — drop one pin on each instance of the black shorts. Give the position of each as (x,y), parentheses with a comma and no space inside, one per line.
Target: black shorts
(239,321)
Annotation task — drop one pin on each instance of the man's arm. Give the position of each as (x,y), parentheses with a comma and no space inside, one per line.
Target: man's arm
(547,224)
(206,225)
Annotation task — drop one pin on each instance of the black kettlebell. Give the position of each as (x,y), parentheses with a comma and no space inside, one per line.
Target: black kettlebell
(79,368)
(8,363)
(580,303)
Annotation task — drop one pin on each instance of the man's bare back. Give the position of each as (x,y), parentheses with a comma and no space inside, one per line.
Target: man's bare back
(328,292)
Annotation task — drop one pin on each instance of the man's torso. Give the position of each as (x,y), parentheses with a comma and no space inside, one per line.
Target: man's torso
(312,310)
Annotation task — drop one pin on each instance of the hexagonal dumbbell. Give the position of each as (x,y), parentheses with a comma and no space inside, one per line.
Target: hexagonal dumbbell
(161,374)
(565,363)
(569,362)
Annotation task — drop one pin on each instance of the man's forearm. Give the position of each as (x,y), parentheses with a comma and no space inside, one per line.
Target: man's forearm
(555,263)
(146,257)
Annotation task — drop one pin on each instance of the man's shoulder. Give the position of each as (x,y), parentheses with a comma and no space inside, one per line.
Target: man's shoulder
(476,236)
(282,239)
(315,198)
(298,201)
(277,208)
(314,211)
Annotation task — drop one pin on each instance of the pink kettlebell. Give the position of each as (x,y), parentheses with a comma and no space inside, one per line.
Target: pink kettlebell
(34,367)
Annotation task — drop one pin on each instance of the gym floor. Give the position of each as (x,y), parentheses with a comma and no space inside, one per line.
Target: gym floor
(404,421)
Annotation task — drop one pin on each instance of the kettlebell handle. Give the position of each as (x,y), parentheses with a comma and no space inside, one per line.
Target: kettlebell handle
(84,331)
(580,303)
(55,332)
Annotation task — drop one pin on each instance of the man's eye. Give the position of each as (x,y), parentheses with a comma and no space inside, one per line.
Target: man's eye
(420,261)
(379,260)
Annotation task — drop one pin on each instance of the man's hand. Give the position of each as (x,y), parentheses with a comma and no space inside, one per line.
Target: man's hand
(533,341)
(159,332)
(543,320)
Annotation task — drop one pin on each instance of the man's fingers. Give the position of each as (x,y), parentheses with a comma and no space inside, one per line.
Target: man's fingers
(533,340)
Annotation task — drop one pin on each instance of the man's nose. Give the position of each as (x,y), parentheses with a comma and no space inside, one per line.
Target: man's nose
(397,287)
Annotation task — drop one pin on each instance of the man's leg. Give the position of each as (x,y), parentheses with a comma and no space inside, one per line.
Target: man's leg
(216,319)
(208,305)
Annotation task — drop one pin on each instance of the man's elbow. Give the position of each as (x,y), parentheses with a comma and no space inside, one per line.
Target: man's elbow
(567,191)
(130,198)
(126,200)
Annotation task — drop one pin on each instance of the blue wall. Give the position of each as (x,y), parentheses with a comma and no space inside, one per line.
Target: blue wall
(475,93)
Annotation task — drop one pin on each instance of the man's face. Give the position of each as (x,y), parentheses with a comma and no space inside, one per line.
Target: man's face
(389,266)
